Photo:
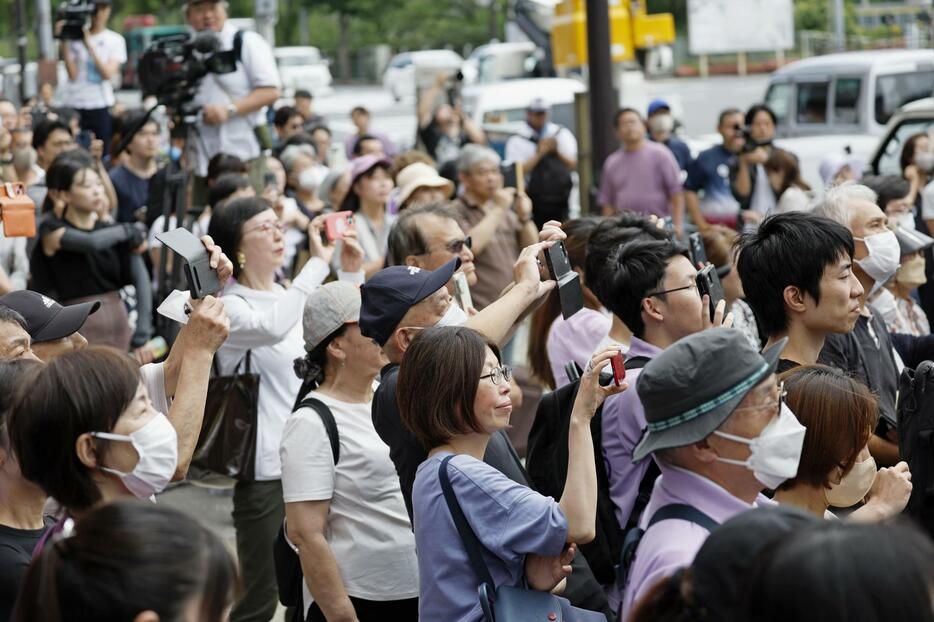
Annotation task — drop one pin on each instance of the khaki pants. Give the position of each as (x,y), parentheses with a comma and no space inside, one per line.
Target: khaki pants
(199,185)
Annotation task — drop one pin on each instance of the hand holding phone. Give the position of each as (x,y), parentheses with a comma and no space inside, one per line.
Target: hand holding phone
(336,224)
(202,279)
(709,283)
(462,292)
(570,293)
(618,363)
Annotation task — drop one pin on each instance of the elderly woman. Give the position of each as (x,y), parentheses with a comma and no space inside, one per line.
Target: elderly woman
(453,394)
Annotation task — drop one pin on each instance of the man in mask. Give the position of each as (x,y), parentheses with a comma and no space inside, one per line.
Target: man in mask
(901,312)
(304,175)
(661,125)
(720,433)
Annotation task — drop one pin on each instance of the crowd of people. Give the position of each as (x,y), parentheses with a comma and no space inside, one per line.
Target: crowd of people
(747,465)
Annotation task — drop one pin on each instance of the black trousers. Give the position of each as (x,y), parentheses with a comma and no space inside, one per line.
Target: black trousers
(374,611)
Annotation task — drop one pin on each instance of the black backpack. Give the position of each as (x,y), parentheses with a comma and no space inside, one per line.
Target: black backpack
(915,415)
(288,565)
(547,466)
(549,187)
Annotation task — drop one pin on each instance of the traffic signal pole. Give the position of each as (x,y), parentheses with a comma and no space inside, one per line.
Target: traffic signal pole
(600,78)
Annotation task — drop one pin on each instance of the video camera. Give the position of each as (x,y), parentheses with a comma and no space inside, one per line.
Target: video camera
(76,15)
(749,143)
(170,71)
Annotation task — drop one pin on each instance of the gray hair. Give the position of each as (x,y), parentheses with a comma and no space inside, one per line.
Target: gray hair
(473,155)
(405,237)
(835,204)
(12,316)
(292,153)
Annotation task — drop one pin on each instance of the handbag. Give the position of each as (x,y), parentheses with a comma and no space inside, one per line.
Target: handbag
(506,603)
(227,443)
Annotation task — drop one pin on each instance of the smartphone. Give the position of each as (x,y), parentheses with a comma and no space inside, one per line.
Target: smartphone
(618,363)
(462,291)
(570,293)
(202,279)
(709,283)
(83,139)
(336,224)
(696,248)
(17,211)
(509,173)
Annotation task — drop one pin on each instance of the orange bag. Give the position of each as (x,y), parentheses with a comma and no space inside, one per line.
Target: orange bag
(17,211)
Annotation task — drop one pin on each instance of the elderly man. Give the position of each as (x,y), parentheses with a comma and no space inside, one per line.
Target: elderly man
(720,433)
(52,327)
(14,340)
(428,236)
(498,221)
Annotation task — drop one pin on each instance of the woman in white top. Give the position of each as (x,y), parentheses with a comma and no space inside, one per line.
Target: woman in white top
(370,185)
(265,320)
(348,519)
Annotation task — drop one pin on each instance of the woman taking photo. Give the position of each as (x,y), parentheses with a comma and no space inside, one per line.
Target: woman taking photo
(347,519)
(130,562)
(370,186)
(453,393)
(265,323)
(836,468)
(82,258)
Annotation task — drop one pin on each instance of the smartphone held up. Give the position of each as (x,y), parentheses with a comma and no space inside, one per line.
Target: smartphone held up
(337,224)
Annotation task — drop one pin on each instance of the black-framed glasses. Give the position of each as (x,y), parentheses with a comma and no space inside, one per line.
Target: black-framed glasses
(499,374)
(693,286)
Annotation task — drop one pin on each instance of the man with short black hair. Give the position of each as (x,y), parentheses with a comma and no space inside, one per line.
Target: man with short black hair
(288,123)
(303,103)
(360,117)
(14,340)
(797,273)
(710,173)
(51,137)
(131,179)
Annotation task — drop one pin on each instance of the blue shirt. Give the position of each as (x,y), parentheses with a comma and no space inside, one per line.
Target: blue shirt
(680,151)
(132,193)
(509,519)
(710,172)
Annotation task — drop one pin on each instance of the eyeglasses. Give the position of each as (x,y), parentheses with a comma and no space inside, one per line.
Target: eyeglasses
(770,404)
(267,228)
(455,247)
(499,374)
(693,286)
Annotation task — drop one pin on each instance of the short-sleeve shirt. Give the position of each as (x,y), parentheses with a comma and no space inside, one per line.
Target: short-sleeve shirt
(256,69)
(680,151)
(522,145)
(510,520)
(132,192)
(710,173)
(90,91)
(642,181)
(368,528)
(494,263)
(16,548)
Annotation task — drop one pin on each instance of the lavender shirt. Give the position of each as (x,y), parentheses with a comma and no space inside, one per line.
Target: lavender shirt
(575,339)
(642,181)
(622,425)
(510,520)
(673,543)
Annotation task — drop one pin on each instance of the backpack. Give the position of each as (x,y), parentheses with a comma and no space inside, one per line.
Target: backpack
(547,466)
(915,413)
(288,565)
(549,188)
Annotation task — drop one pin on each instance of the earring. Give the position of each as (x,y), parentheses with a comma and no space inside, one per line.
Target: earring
(241,260)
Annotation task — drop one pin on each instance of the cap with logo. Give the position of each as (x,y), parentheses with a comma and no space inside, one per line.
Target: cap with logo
(391,292)
(46,320)
(328,308)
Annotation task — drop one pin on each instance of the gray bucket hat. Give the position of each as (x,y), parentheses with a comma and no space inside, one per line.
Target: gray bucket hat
(692,387)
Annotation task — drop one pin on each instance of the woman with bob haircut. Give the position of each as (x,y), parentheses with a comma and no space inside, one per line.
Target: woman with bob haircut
(453,393)
(836,468)
(130,562)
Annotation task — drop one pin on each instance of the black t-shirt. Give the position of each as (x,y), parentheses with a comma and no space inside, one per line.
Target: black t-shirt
(785,365)
(16,547)
(407,453)
(71,274)
(132,192)
(439,145)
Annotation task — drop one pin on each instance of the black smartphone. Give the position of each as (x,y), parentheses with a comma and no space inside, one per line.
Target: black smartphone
(83,139)
(202,279)
(570,293)
(709,283)
(696,248)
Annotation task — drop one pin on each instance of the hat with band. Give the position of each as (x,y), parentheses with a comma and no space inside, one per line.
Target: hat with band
(688,391)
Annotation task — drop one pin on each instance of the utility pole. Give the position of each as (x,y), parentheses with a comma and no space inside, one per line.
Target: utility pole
(22,41)
(838,24)
(600,78)
(44,31)
(266,16)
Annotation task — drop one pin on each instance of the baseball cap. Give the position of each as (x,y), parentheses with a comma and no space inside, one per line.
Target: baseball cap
(391,292)
(46,320)
(656,105)
(537,105)
(363,164)
(688,391)
(328,308)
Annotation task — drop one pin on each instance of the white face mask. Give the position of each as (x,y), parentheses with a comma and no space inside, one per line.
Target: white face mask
(854,486)
(454,316)
(662,123)
(311,178)
(884,255)
(157,445)
(905,221)
(775,453)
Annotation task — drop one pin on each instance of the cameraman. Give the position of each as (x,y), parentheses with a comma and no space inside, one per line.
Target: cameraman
(91,63)
(232,104)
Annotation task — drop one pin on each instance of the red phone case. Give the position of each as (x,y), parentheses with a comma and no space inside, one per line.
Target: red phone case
(337,223)
(618,363)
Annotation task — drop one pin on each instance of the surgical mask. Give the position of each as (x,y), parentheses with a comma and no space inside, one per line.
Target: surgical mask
(884,255)
(905,221)
(24,159)
(157,445)
(311,178)
(175,153)
(925,161)
(454,316)
(912,274)
(662,123)
(775,453)
(854,486)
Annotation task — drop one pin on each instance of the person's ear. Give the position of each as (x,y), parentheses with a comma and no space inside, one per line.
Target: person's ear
(86,449)
(794,299)
(411,260)
(651,308)
(146,616)
(336,351)
(704,452)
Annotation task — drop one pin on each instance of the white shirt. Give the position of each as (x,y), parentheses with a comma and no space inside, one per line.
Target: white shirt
(368,527)
(14,260)
(89,91)
(269,323)
(153,378)
(257,68)
(520,148)
(794,199)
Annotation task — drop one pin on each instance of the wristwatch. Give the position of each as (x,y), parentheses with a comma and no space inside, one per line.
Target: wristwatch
(231,110)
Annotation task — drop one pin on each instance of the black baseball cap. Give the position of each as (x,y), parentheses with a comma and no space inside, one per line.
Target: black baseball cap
(391,292)
(46,320)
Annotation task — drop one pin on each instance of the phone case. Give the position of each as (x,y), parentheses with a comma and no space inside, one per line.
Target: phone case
(709,283)
(336,224)
(462,291)
(570,293)
(698,253)
(202,279)
(618,363)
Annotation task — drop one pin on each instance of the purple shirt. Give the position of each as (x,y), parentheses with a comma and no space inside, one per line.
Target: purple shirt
(642,181)
(389,147)
(509,519)
(575,340)
(673,543)
(622,425)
